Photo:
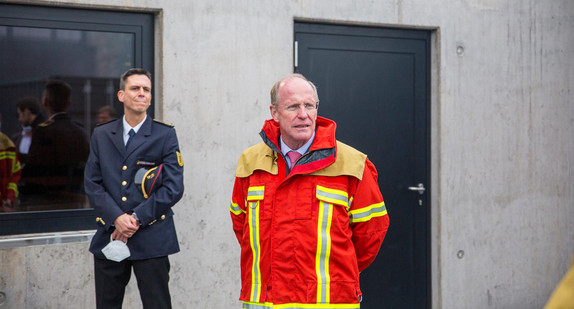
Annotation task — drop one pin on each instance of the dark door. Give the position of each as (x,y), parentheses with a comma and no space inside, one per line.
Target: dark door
(374,82)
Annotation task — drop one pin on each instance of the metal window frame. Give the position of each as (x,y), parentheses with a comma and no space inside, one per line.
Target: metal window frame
(141,25)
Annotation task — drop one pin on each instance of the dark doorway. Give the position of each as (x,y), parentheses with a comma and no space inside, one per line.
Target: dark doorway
(374,82)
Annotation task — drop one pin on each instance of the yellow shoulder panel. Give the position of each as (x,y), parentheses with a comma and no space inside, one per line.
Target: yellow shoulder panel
(46,123)
(5,142)
(350,162)
(164,123)
(258,157)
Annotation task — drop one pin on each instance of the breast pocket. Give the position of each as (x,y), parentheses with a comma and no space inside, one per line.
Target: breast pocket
(255,205)
(330,202)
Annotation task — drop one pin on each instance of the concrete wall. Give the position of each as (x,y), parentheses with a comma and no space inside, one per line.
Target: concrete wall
(503,146)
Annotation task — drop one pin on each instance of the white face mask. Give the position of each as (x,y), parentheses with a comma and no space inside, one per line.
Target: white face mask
(116,250)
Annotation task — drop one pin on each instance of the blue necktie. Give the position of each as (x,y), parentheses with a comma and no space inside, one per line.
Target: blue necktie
(131,133)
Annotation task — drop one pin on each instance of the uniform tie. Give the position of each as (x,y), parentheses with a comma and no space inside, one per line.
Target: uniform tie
(293,156)
(131,133)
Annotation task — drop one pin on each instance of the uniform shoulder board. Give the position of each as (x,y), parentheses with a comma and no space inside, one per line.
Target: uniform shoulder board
(102,123)
(164,123)
(46,123)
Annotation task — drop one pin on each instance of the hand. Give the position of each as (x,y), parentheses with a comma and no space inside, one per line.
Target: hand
(7,206)
(126,225)
(118,236)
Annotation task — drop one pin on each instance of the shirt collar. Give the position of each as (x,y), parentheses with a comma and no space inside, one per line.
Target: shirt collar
(127,127)
(285,149)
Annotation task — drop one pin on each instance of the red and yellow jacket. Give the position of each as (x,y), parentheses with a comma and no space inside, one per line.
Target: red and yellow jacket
(306,235)
(10,169)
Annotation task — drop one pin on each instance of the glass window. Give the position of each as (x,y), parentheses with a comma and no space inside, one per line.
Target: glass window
(42,151)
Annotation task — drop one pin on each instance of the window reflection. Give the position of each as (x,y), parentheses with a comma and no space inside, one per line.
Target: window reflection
(90,62)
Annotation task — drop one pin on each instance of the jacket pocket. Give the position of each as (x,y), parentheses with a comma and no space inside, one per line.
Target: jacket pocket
(333,207)
(255,202)
(332,196)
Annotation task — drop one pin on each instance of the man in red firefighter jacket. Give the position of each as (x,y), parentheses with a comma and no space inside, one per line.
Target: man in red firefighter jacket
(308,223)
(10,171)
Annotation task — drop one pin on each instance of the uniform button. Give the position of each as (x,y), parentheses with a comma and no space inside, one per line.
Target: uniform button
(124,198)
(124,167)
(124,183)
(163,217)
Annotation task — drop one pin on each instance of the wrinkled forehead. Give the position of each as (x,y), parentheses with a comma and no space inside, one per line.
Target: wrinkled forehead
(296,87)
(138,79)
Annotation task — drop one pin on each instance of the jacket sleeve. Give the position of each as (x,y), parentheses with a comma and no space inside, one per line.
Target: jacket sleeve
(368,217)
(237,208)
(16,170)
(11,169)
(171,190)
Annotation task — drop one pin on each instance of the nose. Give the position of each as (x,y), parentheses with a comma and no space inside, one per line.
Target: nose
(302,112)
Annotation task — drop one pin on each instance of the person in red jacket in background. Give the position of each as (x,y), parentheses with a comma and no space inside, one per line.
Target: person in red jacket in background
(306,209)
(10,171)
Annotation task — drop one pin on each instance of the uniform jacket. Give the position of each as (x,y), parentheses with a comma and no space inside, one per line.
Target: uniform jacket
(306,234)
(109,183)
(57,157)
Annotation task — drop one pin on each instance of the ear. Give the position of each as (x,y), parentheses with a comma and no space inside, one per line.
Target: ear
(274,112)
(121,94)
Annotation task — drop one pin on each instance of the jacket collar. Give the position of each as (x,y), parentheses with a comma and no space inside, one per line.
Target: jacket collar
(140,138)
(322,152)
(324,136)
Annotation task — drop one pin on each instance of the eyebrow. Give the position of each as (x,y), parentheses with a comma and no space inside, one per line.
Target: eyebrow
(136,87)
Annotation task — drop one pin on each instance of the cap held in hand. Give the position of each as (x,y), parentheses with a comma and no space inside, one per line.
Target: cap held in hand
(148,179)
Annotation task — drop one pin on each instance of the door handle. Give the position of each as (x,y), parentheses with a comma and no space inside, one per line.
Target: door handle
(420,188)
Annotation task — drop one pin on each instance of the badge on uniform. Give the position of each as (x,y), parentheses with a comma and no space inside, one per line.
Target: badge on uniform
(179,159)
(148,179)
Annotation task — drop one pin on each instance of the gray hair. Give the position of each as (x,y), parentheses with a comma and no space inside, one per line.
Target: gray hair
(275,89)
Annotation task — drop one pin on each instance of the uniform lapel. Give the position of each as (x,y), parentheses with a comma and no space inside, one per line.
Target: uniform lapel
(118,137)
(141,137)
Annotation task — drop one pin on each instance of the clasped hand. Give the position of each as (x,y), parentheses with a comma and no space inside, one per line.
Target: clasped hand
(126,226)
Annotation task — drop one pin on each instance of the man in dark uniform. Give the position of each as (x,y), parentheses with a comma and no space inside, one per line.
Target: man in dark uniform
(58,151)
(142,219)
(29,116)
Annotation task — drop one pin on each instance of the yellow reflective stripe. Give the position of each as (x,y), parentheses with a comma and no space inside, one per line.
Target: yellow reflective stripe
(235,209)
(323,252)
(7,155)
(255,193)
(15,165)
(14,187)
(251,305)
(367,213)
(332,196)
(256,250)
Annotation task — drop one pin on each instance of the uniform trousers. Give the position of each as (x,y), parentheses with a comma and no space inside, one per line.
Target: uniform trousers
(152,277)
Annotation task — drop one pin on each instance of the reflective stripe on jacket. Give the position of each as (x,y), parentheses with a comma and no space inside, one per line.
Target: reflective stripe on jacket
(10,169)
(306,234)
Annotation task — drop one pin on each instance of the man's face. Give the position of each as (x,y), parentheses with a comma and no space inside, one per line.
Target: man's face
(136,94)
(296,112)
(103,117)
(25,117)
